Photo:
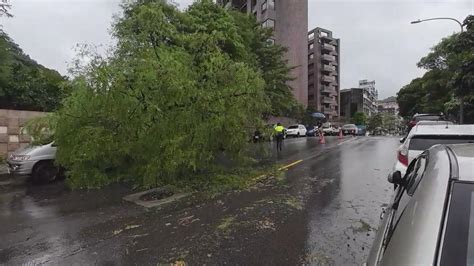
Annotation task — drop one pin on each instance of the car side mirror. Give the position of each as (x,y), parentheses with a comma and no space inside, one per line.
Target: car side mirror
(403,139)
(395,178)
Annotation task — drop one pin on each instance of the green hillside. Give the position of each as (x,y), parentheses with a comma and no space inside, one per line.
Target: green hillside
(25,84)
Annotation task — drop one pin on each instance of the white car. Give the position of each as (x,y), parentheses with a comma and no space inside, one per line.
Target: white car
(424,136)
(330,129)
(296,131)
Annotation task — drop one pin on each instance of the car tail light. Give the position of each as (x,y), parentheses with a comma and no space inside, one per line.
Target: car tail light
(403,156)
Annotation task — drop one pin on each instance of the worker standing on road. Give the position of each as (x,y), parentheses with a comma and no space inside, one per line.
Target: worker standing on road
(280,135)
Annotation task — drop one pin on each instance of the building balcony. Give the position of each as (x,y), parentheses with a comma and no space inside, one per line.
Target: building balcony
(328,47)
(329,112)
(328,69)
(328,79)
(329,89)
(329,100)
(328,58)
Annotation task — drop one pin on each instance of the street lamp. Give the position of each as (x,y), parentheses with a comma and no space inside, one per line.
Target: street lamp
(461,99)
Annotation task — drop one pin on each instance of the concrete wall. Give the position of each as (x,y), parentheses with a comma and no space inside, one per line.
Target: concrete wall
(11,124)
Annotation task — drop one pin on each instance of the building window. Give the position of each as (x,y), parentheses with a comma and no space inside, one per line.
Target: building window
(311,76)
(264,6)
(311,66)
(311,56)
(311,97)
(269,23)
(271,4)
(311,46)
(311,36)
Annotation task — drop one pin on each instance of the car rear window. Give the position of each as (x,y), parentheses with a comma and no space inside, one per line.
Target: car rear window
(424,142)
(458,244)
(293,127)
(428,118)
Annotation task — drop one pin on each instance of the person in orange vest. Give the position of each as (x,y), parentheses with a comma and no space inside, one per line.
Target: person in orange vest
(280,135)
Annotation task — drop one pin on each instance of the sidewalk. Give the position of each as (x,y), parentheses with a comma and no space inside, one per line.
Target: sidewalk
(3,171)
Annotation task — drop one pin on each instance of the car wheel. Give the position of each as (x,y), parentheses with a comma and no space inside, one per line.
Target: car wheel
(44,172)
(298,135)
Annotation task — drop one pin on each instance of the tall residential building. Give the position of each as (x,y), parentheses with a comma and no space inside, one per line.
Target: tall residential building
(371,96)
(289,20)
(324,73)
(388,106)
(362,99)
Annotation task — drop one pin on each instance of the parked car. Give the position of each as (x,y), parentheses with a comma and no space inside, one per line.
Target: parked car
(36,162)
(361,130)
(311,131)
(430,219)
(423,136)
(296,131)
(330,129)
(424,117)
(349,129)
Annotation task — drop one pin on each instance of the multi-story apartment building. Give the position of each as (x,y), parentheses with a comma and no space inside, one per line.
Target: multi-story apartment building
(362,99)
(324,73)
(370,96)
(388,106)
(289,20)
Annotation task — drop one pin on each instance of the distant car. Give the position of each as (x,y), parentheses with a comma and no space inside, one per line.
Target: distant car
(36,162)
(430,219)
(296,131)
(349,129)
(335,130)
(329,129)
(361,130)
(424,117)
(311,131)
(422,137)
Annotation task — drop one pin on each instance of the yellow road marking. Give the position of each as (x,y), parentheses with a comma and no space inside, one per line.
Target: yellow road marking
(290,165)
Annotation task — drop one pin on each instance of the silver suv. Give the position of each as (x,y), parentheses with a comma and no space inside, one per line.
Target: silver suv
(36,162)
(431,217)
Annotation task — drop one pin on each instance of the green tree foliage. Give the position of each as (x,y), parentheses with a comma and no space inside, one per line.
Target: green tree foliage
(24,84)
(390,122)
(180,89)
(450,74)
(359,118)
(270,60)
(308,118)
(375,121)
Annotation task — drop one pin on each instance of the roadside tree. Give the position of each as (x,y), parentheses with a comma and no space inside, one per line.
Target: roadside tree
(375,121)
(449,76)
(179,90)
(359,118)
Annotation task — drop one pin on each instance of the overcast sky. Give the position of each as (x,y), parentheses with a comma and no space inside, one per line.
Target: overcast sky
(377,40)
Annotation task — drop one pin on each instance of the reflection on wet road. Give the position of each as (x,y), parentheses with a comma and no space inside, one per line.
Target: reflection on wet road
(323,210)
(344,210)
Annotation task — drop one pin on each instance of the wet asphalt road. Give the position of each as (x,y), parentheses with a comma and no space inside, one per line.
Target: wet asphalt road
(323,210)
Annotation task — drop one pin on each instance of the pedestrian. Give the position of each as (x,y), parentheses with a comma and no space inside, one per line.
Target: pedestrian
(280,135)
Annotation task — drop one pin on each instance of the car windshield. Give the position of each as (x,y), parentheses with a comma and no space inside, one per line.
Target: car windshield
(293,127)
(423,142)
(458,244)
(348,126)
